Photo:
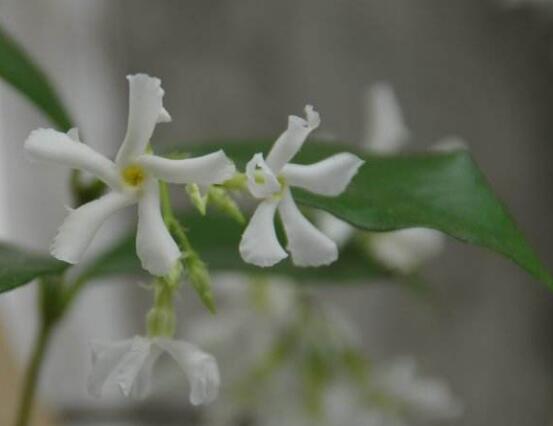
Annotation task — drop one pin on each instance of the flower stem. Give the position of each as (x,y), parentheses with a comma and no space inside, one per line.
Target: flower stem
(32,374)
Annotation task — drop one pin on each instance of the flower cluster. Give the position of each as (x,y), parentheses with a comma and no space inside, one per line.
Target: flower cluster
(138,176)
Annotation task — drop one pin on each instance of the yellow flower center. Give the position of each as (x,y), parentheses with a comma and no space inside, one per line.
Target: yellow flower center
(133,175)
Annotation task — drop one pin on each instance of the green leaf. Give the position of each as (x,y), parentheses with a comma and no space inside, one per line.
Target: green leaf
(444,191)
(216,239)
(18,267)
(19,70)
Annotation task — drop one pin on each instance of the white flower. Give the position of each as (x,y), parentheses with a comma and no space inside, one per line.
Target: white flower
(132,178)
(404,250)
(271,180)
(128,364)
(423,398)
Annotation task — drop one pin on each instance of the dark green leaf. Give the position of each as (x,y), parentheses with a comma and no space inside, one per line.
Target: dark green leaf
(444,191)
(19,267)
(19,70)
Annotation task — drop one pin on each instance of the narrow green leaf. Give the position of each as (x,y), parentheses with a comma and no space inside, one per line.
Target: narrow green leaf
(443,191)
(17,68)
(18,267)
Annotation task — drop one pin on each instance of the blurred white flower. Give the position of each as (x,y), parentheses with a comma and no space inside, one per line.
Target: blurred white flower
(128,365)
(250,316)
(132,178)
(422,398)
(386,133)
(271,180)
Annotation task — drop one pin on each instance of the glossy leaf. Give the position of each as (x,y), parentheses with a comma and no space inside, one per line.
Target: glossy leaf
(23,74)
(443,191)
(19,267)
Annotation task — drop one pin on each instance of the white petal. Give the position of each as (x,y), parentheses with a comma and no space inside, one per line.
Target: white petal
(386,132)
(407,249)
(73,133)
(105,357)
(328,177)
(143,380)
(426,398)
(259,244)
(205,170)
(199,367)
(291,141)
(130,365)
(145,111)
(339,231)
(450,143)
(164,116)
(56,147)
(80,225)
(155,247)
(308,245)
(257,168)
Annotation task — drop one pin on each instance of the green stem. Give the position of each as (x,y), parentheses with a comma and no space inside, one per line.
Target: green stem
(32,374)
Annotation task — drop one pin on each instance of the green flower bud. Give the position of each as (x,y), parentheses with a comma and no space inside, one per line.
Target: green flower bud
(223,201)
(198,200)
(198,276)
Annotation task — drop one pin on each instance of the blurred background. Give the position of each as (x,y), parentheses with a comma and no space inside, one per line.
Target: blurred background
(479,69)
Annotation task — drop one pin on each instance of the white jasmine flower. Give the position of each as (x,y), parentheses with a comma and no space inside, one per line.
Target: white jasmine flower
(423,398)
(128,365)
(271,180)
(132,178)
(404,250)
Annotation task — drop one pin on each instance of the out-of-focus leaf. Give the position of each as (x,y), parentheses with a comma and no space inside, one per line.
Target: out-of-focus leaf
(216,239)
(19,267)
(17,68)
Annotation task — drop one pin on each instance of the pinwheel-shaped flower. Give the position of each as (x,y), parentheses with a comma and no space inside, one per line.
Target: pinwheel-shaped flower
(128,364)
(271,180)
(133,178)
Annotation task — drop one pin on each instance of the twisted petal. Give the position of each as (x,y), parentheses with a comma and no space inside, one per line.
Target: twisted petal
(205,170)
(407,249)
(145,111)
(291,141)
(328,177)
(80,225)
(120,364)
(155,247)
(385,132)
(308,245)
(199,367)
(56,147)
(262,182)
(259,244)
